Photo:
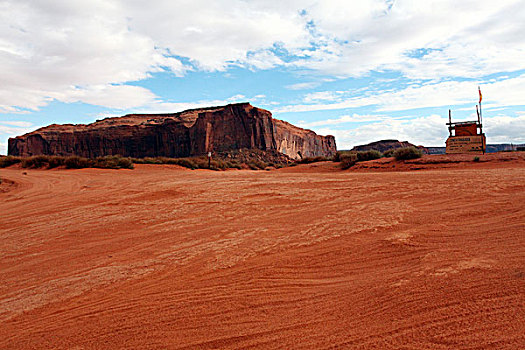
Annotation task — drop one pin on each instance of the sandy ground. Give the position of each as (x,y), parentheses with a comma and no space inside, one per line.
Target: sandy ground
(304,257)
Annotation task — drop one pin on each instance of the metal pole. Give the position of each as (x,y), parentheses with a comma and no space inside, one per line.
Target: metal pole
(449,123)
(480,115)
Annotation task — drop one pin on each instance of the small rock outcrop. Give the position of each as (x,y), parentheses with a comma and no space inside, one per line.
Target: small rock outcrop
(189,133)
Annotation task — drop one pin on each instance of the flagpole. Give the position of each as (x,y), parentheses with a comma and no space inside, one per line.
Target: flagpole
(480,117)
(481,120)
(480,114)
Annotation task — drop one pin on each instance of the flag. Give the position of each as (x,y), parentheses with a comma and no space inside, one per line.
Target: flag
(480,97)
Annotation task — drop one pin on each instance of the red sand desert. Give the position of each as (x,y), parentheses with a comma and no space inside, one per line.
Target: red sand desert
(304,257)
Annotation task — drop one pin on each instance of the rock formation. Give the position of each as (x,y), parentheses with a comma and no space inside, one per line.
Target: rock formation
(384,145)
(189,133)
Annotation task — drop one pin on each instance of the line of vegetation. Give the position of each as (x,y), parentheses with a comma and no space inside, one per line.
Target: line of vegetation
(407,153)
(349,158)
(194,163)
(70,162)
(308,160)
(118,162)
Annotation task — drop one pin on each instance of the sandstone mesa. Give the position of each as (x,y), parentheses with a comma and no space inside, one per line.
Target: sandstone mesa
(188,133)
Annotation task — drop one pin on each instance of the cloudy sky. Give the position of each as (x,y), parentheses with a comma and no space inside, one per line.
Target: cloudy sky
(359,70)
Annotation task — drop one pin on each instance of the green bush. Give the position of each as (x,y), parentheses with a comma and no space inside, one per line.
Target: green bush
(113,162)
(190,163)
(185,162)
(309,160)
(339,155)
(8,161)
(147,160)
(257,165)
(71,162)
(364,156)
(476,159)
(55,161)
(389,153)
(235,165)
(76,162)
(407,153)
(35,162)
(125,163)
(348,160)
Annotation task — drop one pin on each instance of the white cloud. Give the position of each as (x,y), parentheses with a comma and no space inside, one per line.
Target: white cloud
(173,107)
(323,96)
(19,123)
(49,48)
(87,51)
(430,131)
(498,93)
(12,128)
(505,129)
(111,96)
(352,102)
(430,39)
(302,86)
(355,118)
(216,34)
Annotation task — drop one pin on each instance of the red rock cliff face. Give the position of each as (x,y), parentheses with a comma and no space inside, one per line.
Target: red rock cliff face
(300,143)
(189,133)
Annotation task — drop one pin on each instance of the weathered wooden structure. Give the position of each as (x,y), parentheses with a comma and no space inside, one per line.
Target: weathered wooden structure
(465,137)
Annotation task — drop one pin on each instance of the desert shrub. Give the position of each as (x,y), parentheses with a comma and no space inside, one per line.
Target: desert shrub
(42,161)
(8,161)
(147,160)
(348,160)
(113,162)
(219,164)
(200,162)
(186,162)
(339,155)
(363,156)
(256,164)
(389,153)
(35,162)
(192,162)
(176,161)
(235,165)
(125,163)
(476,159)
(309,160)
(140,161)
(55,161)
(76,162)
(407,153)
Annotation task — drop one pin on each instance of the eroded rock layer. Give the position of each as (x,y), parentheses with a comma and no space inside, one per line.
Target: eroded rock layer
(188,133)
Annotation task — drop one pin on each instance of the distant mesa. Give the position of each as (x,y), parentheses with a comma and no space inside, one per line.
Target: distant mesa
(385,145)
(189,133)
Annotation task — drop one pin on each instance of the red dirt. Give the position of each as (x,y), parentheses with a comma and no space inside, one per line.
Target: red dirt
(304,257)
